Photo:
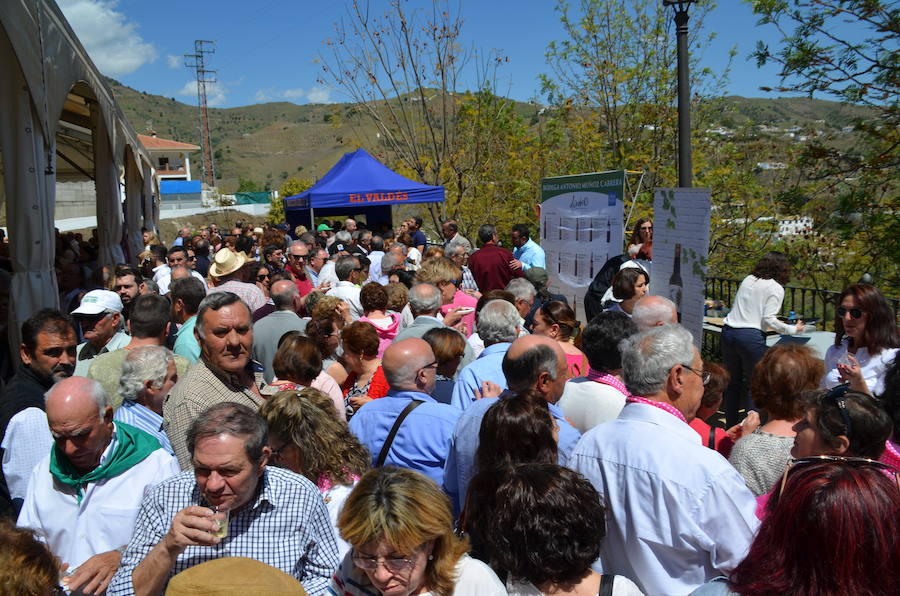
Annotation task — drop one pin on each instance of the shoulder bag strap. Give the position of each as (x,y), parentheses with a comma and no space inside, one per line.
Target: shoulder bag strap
(390,438)
(606,584)
(711,442)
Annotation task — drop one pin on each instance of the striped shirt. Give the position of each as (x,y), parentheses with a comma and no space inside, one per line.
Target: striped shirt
(142,417)
(286,526)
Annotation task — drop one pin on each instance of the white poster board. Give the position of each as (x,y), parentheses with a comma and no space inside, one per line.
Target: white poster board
(581,228)
(681,227)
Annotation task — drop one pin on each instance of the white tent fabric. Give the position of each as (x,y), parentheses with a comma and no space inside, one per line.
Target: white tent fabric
(30,194)
(42,64)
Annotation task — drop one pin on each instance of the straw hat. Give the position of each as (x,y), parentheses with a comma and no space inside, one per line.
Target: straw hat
(226,261)
(234,576)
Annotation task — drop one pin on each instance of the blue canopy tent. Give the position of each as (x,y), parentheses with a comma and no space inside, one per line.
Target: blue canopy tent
(358,184)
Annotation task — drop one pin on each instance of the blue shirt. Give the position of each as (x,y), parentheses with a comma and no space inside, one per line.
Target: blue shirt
(531,255)
(285,525)
(419,239)
(460,462)
(422,441)
(678,514)
(487,367)
(142,417)
(185,343)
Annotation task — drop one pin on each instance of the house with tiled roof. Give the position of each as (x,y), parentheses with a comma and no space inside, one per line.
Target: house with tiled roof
(170,158)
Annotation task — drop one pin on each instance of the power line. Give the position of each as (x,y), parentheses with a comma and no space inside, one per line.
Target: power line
(197,61)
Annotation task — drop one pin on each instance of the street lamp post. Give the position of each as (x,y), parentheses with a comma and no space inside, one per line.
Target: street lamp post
(684,92)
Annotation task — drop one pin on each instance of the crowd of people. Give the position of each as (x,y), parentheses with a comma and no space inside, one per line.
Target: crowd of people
(338,411)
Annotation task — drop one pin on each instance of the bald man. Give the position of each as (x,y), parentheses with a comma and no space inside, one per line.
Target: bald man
(654,311)
(268,330)
(85,494)
(534,364)
(423,435)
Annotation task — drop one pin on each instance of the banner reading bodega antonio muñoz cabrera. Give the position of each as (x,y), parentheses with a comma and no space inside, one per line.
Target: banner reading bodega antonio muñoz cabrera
(581,228)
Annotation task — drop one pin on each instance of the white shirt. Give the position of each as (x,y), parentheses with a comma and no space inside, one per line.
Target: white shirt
(756,306)
(349,293)
(334,499)
(26,442)
(166,280)
(588,403)
(327,274)
(375,267)
(679,514)
(105,518)
(873,368)
(633,263)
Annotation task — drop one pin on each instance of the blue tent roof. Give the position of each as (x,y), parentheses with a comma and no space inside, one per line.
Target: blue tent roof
(359,180)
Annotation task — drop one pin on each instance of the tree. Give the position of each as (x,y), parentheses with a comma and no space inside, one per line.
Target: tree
(849,50)
(289,188)
(402,72)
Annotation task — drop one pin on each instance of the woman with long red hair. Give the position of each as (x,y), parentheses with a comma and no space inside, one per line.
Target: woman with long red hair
(833,529)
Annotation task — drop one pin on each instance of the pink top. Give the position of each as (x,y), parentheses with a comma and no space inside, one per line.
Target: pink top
(576,364)
(608,379)
(463,299)
(634,399)
(891,455)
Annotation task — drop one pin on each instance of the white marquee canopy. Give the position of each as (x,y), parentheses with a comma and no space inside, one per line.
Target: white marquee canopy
(60,121)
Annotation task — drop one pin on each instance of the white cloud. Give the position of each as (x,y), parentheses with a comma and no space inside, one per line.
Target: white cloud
(174,61)
(319,95)
(111,40)
(216,93)
(315,95)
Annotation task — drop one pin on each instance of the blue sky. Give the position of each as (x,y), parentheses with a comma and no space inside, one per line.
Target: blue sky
(266,49)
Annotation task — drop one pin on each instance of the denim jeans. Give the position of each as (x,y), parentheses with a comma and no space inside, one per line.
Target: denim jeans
(741,350)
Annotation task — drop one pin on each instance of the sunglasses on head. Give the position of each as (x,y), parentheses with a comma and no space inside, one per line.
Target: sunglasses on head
(836,396)
(855,313)
(838,459)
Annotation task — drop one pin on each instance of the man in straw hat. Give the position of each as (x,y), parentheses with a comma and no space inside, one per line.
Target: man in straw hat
(225,274)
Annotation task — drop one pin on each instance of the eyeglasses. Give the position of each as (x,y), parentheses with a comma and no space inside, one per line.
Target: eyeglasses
(298,257)
(836,396)
(849,461)
(192,258)
(855,313)
(262,277)
(703,374)
(430,365)
(392,564)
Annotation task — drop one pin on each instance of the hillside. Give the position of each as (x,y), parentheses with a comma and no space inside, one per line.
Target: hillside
(271,141)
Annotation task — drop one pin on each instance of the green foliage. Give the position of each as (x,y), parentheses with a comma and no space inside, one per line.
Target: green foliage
(248,185)
(289,188)
(853,190)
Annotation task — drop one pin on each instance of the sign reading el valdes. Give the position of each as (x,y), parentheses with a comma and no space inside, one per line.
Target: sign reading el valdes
(680,247)
(581,228)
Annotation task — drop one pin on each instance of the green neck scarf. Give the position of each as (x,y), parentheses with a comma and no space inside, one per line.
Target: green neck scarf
(132,447)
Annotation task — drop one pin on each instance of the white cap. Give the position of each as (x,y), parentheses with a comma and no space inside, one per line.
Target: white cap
(96,302)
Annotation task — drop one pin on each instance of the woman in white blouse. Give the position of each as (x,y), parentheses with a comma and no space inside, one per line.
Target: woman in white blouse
(865,340)
(755,309)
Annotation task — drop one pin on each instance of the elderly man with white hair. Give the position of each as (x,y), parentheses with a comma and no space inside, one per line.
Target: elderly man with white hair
(148,374)
(679,513)
(84,496)
(423,425)
(498,326)
(653,311)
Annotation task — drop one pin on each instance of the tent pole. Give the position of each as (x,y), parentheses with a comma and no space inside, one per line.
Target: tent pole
(312,219)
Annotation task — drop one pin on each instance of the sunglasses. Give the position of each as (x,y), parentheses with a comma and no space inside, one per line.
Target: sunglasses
(262,277)
(841,312)
(847,461)
(298,257)
(836,397)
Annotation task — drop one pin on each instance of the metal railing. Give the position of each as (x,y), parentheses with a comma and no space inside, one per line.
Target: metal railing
(807,303)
